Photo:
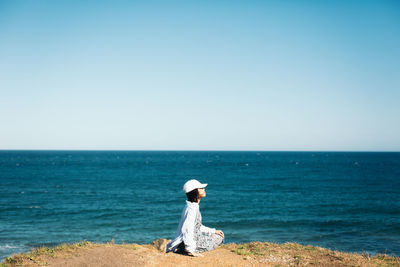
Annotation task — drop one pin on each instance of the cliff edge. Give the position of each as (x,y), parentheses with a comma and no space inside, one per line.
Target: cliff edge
(248,254)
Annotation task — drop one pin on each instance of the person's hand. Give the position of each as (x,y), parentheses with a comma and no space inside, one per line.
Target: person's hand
(219,232)
(195,254)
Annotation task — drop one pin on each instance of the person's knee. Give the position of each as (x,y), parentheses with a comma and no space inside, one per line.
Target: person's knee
(220,240)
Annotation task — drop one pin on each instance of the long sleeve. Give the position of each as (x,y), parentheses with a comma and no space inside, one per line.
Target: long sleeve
(207,230)
(188,230)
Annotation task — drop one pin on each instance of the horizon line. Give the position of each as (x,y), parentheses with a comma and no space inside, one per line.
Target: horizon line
(201,150)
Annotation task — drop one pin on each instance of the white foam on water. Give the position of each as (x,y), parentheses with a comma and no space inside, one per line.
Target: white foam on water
(7,246)
(10,249)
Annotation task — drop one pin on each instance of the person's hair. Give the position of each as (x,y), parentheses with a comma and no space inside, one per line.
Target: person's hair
(193,196)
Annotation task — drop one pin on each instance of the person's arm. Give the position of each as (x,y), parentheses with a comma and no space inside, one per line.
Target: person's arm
(188,231)
(207,230)
(219,232)
(211,231)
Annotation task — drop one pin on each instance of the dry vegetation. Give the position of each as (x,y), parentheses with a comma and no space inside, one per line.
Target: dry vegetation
(39,256)
(293,254)
(42,256)
(250,254)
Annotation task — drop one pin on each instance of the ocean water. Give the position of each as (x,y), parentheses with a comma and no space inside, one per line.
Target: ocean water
(344,201)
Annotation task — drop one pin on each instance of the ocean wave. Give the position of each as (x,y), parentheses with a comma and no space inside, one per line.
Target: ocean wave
(7,246)
(10,249)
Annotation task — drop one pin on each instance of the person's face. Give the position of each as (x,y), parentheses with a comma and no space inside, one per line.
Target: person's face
(202,192)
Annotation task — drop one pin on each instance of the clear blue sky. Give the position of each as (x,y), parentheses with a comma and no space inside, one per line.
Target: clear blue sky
(200,75)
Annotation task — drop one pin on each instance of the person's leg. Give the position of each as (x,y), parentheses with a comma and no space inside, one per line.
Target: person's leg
(180,249)
(208,242)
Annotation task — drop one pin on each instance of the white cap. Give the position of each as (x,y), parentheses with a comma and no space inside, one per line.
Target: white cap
(192,185)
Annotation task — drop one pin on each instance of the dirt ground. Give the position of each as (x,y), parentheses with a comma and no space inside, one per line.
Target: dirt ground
(119,256)
(249,254)
(142,256)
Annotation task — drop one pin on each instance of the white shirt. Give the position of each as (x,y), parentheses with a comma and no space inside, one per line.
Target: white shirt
(185,232)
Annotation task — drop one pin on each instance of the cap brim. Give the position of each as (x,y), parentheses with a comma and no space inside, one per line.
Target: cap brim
(203,185)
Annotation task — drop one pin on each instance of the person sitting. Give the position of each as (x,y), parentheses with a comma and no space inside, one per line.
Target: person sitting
(192,236)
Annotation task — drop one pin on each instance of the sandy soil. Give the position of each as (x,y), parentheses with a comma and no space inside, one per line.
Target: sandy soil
(247,254)
(143,256)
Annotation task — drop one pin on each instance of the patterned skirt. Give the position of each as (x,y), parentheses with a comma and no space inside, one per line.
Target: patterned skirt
(203,243)
(206,242)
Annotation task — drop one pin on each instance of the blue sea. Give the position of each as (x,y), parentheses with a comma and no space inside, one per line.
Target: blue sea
(347,201)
